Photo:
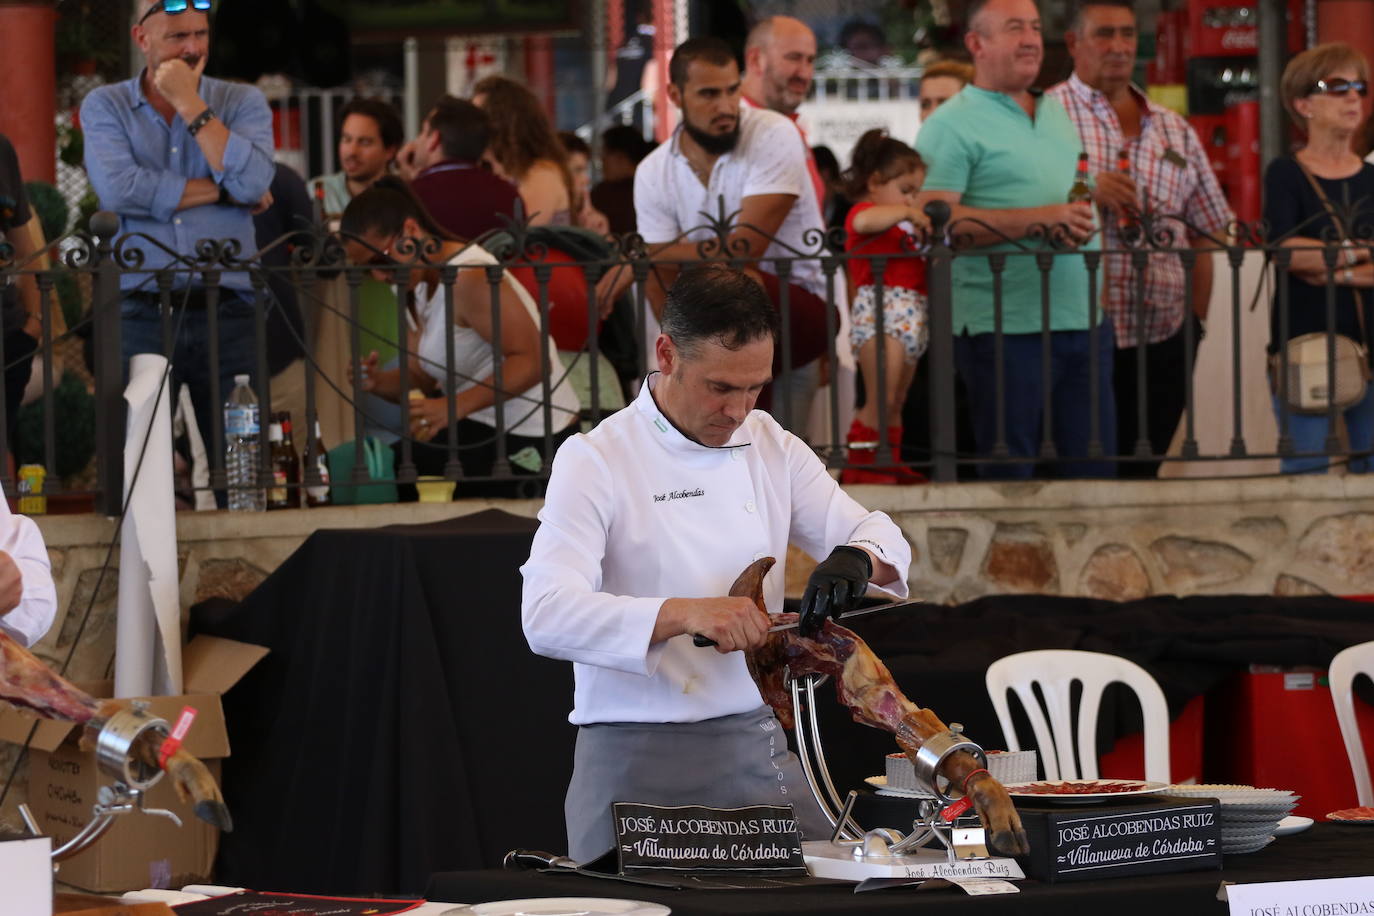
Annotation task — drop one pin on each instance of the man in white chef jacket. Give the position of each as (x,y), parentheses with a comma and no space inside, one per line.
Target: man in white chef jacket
(648,520)
(28,600)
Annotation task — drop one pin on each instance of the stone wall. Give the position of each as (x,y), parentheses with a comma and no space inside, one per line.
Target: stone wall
(1286,536)
(1281,536)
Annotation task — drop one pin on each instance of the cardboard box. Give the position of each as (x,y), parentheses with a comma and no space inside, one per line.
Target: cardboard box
(139,850)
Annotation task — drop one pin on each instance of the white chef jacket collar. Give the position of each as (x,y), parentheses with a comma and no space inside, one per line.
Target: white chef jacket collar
(673,438)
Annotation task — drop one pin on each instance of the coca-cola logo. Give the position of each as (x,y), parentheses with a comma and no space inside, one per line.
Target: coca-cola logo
(1234,39)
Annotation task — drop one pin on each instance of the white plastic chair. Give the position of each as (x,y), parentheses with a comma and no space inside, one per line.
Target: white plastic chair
(1341,675)
(1055,670)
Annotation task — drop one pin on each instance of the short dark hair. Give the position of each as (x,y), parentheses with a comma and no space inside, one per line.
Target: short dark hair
(706,48)
(1076,8)
(572,143)
(627,141)
(464,129)
(384,115)
(384,207)
(713,302)
(857,27)
(826,163)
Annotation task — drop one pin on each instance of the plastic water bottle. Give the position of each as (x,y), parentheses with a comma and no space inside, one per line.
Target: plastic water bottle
(241,448)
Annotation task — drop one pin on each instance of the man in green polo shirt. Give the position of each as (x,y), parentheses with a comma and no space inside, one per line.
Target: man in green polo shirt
(1003,156)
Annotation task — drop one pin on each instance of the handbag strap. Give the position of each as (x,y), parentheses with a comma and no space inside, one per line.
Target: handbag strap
(1345,240)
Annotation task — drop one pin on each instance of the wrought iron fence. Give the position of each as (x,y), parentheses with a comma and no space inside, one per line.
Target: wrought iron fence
(329,273)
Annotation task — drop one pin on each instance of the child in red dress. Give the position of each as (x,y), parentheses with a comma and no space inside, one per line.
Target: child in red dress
(884,177)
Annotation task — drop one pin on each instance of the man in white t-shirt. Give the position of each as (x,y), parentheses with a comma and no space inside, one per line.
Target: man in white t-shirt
(745,166)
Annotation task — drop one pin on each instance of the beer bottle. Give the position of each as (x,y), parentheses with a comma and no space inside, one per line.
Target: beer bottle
(286,466)
(319,495)
(293,474)
(1080,192)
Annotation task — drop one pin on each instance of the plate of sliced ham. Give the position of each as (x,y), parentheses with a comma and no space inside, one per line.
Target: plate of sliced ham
(1082,791)
(1353,816)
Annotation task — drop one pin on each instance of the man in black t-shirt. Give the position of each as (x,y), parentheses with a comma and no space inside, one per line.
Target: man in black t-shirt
(19,307)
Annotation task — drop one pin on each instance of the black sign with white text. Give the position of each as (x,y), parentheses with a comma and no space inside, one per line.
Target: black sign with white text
(759,839)
(1141,837)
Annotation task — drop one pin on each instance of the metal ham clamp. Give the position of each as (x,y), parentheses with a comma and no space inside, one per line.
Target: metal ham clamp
(116,755)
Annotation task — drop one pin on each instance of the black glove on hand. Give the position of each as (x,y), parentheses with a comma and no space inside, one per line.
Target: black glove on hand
(836,586)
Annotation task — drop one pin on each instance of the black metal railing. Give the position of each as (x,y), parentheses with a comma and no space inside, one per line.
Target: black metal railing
(329,288)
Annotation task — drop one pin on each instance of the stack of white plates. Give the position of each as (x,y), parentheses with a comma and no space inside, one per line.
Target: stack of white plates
(1249,816)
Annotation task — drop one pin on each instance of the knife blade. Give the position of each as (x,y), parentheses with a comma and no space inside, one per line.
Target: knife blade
(699,640)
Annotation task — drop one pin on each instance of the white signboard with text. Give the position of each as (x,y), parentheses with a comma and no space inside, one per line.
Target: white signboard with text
(1325,897)
(839,123)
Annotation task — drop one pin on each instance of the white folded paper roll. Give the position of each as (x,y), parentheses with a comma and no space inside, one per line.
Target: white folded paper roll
(148,629)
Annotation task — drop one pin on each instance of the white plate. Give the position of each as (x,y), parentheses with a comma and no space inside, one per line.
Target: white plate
(1291,824)
(569,906)
(1137,787)
(1241,849)
(880,783)
(1237,817)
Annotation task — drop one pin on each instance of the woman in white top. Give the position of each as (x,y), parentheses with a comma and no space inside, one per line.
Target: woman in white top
(387,218)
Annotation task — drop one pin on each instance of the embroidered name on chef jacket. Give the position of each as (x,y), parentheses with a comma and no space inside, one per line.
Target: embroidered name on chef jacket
(678,494)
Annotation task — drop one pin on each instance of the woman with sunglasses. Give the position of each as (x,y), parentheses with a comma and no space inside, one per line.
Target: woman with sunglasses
(388,227)
(1323,89)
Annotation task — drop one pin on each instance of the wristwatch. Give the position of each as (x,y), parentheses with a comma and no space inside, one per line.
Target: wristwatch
(224,199)
(200,121)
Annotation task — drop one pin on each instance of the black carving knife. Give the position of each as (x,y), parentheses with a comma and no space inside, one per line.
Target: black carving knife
(905,603)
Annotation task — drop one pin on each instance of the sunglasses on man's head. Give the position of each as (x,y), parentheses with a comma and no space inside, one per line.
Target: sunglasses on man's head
(1340,87)
(172,7)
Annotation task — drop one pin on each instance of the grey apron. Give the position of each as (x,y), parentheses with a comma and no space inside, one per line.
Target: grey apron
(723,763)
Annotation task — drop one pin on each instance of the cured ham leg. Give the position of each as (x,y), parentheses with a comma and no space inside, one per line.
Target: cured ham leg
(29,684)
(863,683)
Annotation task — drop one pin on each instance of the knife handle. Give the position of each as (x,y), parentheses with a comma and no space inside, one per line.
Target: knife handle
(702,642)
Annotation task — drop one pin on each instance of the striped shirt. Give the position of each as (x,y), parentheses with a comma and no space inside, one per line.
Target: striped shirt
(1173,176)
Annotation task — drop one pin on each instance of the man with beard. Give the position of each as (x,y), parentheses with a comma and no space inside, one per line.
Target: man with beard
(444,168)
(369,138)
(1003,156)
(779,64)
(1170,174)
(182,157)
(745,163)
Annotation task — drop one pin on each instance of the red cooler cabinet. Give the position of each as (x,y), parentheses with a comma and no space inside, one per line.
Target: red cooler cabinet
(1278,730)
(1229,28)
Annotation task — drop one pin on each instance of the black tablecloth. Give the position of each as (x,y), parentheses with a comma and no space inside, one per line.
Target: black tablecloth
(401,726)
(939,656)
(1325,851)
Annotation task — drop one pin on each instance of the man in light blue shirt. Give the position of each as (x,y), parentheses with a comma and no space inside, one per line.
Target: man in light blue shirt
(182,157)
(1003,157)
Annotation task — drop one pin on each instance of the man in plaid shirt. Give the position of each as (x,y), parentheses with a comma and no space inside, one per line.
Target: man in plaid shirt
(1169,174)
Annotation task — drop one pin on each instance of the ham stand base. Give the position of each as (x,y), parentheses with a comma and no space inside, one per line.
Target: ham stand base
(114,755)
(854,854)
